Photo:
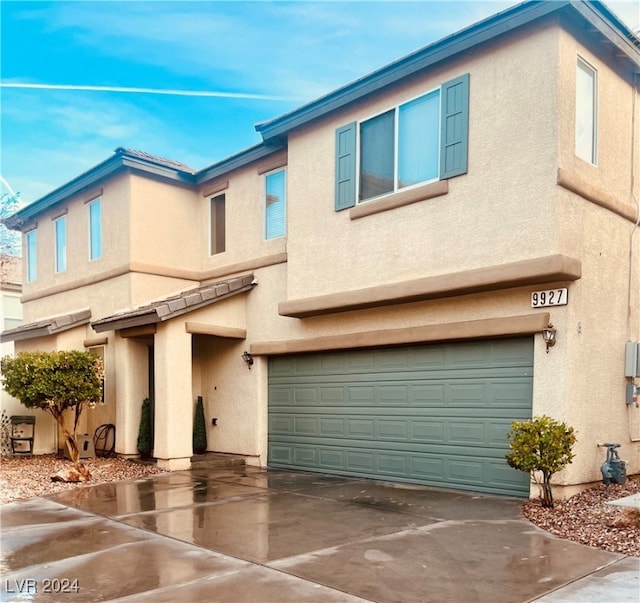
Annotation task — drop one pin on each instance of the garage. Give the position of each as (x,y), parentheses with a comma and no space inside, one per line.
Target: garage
(433,414)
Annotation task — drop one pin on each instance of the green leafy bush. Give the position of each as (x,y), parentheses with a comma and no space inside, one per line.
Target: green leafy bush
(56,382)
(145,432)
(199,429)
(541,446)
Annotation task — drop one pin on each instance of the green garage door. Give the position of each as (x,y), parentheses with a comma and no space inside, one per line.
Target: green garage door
(431,414)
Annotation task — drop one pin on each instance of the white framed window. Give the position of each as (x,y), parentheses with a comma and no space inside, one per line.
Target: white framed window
(60,227)
(422,140)
(586,112)
(95,229)
(276,204)
(217,225)
(400,147)
(31,247)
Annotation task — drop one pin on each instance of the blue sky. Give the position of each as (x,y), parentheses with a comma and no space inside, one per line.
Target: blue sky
(237,63)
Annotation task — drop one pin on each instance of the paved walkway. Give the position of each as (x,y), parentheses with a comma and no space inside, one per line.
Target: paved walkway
(251,535)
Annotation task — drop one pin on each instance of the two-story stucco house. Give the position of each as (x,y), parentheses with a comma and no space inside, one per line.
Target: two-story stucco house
(388,257)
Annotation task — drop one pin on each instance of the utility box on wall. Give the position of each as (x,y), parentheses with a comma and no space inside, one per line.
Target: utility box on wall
(632,359)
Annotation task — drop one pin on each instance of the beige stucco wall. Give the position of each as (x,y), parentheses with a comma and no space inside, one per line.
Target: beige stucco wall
(491,215)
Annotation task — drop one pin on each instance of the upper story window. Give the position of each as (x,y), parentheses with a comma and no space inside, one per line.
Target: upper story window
(586,112)
(400,147)
(95,230)
(276,204)
(32,255)
(217,221)
(419,141)
(60,225)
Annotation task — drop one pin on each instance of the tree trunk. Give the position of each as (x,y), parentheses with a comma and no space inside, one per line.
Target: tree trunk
(547,494)
(74,455)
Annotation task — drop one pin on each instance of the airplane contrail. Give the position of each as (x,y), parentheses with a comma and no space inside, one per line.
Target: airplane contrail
(209,93)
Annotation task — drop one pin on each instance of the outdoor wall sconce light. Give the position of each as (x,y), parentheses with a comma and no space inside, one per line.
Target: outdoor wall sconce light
(248,358)
(549,336)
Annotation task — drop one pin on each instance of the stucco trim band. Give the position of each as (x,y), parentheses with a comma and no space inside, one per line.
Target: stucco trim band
(405,197)
(91,342)
(515,274)
(574,183)
(510,326)
(249,265)
(203,278)
(199,328)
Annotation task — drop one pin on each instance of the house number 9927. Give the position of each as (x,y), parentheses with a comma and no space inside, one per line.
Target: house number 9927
(552,297)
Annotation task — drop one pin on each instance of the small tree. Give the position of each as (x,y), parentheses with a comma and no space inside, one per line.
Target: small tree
(56,382)
(145,441)
(199,429)
(541,445)
(9,239)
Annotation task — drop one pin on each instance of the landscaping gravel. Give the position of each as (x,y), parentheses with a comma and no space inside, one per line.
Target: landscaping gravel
(588,519)
(24,477)
(584,518)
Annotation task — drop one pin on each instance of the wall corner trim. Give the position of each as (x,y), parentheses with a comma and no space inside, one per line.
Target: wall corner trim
(576,184)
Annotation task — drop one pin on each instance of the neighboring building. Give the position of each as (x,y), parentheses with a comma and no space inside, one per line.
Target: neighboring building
(11,317)
(377,255)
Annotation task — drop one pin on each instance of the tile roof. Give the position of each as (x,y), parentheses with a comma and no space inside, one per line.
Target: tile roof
(47,326)
(10,270)
(169,163)
(170,307)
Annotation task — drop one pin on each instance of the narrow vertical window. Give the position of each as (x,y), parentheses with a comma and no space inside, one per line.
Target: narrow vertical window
(276,204)
(32,260)
(586,112)
(61,244)
(218,226)
(95,230)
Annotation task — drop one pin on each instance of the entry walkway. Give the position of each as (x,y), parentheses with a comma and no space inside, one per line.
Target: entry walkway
(263,536)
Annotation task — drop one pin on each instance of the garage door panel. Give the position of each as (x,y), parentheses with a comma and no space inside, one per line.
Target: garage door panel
(433,414)
(462,471)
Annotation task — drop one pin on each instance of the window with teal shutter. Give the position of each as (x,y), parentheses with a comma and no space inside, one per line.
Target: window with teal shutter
(276,204)
(419,141)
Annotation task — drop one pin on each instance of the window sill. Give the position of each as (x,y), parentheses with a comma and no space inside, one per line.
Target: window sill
(413,195)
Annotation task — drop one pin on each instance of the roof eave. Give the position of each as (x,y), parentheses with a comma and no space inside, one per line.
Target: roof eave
(239,160)
(44,328)
(501,23)
(112,165)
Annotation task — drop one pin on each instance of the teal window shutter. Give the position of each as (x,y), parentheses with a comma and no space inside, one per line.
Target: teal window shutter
(454,127)
(345,167)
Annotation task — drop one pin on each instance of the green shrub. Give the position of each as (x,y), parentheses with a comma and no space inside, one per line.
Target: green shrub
(541,446)
(145,432)
(199,429)
(56,382)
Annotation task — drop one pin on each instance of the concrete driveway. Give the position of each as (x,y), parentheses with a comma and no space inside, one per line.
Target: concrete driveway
(246,534)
